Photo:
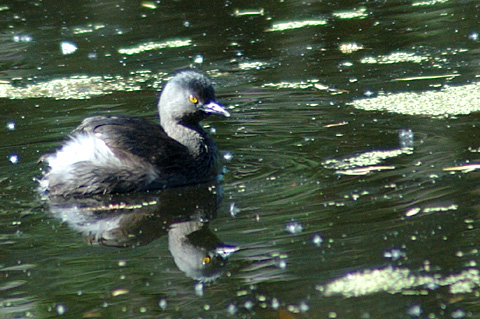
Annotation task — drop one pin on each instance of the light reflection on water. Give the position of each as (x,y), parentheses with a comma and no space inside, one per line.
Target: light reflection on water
(335,214)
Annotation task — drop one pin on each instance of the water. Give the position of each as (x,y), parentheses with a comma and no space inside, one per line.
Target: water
(351,189)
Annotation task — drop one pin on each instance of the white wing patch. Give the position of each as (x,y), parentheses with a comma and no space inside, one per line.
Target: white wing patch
(85,147)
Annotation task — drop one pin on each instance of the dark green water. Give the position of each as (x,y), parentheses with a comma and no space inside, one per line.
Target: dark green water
(347,191)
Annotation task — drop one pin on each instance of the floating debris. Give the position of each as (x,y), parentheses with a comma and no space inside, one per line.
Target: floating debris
(294,227)
(290,25)
(248,12)
(198,59)
(395,280)
(68,47)
(149,46)
(162,303)
(359,13)
(444,103)
(234,210)
(395,57)
(428,3)
(394,254)
(120,292)
(317,240)
(10,125)
(13,158)
(467,168)
(349,47)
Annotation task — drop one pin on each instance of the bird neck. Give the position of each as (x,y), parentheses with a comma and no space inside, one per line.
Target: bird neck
(193,137)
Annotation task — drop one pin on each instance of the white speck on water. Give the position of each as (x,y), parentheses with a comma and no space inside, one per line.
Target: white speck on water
(162,303)
(406,138)
(22,38)
(394,254)
(304,307)
(232,309)
(317,240)
(248,305)
(68,47)
(294,227)
(282,263)
(199,289)
(92,55)
(414,311)
(60,309)
(228,156)
(473,36)
(186,24)
(368,93)
(234,210)
(11,126)
(13,158)
(198,59)
(275,303)
(459,313)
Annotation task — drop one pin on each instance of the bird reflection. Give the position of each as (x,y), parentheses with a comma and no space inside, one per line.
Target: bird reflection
(137,219)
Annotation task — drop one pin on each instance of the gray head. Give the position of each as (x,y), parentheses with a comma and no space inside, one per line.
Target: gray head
(188,98)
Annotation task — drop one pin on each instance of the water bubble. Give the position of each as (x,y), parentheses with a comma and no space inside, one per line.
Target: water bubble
(60,309)
(199,289)
(281,263)
(13,158)
(473,36)
(228,156)
(162,303)
(232,309)
(198,59)
(394,254)
(234,210)
(415,311)
(92,55)
(186,24)
(68,47)
(304,307)
(248,305)
(275,303)
(406,138)
(22,38)
(459,313)
(11,125)
(368,93)
(294,227)
(317,240)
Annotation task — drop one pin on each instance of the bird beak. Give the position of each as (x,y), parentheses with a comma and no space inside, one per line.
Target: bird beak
(215,109)
(226,251)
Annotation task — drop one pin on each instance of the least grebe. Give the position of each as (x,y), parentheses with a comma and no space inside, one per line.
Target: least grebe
(118,154)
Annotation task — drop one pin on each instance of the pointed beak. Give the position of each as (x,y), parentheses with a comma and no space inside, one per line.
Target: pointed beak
(226,251)
(215,109)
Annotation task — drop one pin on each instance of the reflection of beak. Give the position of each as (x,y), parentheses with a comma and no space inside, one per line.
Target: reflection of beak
(226,251)
(215,109)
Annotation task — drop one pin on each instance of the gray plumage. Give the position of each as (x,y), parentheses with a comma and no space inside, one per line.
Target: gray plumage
(117,154)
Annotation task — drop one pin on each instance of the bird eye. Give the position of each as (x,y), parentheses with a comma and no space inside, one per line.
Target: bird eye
(206,260)
(193,99)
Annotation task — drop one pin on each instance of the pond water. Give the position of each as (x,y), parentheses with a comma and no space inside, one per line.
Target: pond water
(351,160)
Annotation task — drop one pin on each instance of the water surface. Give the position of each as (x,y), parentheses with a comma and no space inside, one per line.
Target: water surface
(351,189)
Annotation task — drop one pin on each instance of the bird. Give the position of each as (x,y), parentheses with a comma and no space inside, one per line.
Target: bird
(120,154)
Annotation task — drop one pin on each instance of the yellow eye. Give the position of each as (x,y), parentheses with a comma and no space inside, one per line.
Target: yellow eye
(193,99)
(206,260)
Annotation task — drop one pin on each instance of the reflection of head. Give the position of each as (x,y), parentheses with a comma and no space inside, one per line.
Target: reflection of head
(197,252)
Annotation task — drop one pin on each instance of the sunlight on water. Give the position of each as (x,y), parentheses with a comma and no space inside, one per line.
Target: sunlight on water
(80,87)
(290,25)
(359,13)
(449,101)
(149,46)
(396,280)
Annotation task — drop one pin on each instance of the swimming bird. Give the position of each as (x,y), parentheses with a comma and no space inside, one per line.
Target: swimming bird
(118,154)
